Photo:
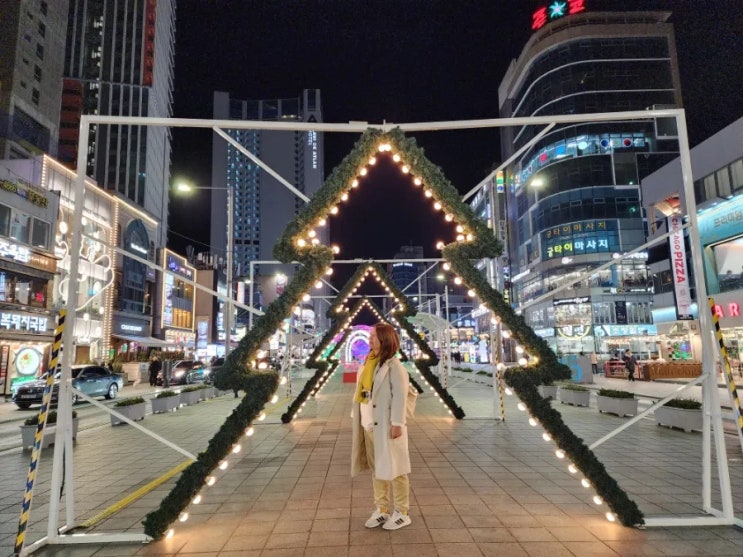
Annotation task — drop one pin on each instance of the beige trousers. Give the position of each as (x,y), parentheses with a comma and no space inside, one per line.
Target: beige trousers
(399,487)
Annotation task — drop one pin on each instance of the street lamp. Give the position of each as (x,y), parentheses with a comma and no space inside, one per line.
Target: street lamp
(227,318)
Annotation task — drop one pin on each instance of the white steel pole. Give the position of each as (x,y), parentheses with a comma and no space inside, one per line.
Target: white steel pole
(711,396)
(65,394)
(250,303)
(227,320)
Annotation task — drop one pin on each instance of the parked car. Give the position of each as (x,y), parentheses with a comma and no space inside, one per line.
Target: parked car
(90,379)
(184,372)
(211,369)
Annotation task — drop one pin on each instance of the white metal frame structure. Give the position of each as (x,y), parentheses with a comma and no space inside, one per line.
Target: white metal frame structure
(711,407)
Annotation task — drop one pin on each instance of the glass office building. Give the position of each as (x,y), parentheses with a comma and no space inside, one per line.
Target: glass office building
(572,200)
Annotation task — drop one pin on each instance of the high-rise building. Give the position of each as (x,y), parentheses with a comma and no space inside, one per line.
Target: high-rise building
(31,61)
(263,206)
(573,198)
(119,62)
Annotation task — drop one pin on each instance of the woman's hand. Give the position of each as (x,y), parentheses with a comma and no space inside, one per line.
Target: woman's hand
(396,431)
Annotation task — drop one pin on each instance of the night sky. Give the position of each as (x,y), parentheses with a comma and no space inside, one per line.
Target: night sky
(403,61)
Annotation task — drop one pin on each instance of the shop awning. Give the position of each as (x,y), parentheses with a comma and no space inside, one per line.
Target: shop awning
(145,341)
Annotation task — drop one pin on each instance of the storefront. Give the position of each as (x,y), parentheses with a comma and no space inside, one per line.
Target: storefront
(177,298)
(25,347)
(729,308)
(27,270)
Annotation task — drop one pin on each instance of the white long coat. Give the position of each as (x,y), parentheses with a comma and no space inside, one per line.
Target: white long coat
(391,458)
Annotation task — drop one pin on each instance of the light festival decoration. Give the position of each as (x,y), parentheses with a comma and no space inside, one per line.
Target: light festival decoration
(314,260)
(562,455)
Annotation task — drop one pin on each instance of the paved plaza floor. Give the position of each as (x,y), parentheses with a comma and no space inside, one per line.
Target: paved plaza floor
(479,486)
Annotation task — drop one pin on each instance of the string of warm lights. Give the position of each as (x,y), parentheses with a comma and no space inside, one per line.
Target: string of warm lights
(403,308)
(223,465)
(562,456)
(473,242)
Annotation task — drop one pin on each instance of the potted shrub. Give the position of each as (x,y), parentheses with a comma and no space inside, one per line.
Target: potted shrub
(206,392)
(165,401)
(548,389)
(574,394)
(133,408)
(683,413)
(621,403)
(28,429)
(191,395)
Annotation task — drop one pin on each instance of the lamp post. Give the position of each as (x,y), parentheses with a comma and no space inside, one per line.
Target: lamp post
(227,318)
(447,334)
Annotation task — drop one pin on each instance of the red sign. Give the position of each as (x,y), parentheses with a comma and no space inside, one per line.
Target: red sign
(733,310)
(556,10)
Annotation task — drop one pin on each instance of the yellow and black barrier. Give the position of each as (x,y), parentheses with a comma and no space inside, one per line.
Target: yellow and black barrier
(501,392)
(726,365)
(36,451)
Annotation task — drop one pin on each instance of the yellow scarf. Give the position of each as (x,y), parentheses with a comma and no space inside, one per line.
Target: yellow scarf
(367,378)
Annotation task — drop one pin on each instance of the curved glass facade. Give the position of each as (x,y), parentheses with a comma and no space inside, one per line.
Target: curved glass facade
(574,199)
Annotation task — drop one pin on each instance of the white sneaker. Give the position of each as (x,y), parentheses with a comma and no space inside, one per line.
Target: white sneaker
(377,518)
(397,521)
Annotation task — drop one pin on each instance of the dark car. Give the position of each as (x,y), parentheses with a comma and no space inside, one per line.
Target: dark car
(184,372)
(89,379)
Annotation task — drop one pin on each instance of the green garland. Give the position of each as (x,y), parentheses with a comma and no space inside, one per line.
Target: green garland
(547,370)
(294,245)
(261,387)
(339,313)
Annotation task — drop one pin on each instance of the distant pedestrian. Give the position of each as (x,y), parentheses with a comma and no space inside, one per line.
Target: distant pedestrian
(594,363)
(631,364)
(154,369)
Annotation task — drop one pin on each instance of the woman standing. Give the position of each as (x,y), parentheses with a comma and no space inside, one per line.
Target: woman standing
(380,436)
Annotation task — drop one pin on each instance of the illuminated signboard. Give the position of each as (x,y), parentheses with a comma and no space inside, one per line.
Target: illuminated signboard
(626,330)
(577,238)
(25,191)
(23,322)
(14,251)
(177,297)
(555,10)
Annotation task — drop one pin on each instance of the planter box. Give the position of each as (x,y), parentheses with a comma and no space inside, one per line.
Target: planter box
(207,393)
(28,434)
(134,372)
(576,398)
(190,398)
(688,420)
(548,391)
(165,404)
(619,406)
(134,412)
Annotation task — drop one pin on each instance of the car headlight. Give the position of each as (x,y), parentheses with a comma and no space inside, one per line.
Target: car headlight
(180,373)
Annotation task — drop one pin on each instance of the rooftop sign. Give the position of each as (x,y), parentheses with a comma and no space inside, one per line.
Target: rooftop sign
(555,10)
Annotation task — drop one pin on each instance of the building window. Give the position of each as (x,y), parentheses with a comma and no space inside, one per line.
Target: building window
(42,29)
(723,182)
(4,220)
(40,234)
(43,7)
(19,227)
(736,174)
(39,51)
(710,189)
(37,72)
(35,96)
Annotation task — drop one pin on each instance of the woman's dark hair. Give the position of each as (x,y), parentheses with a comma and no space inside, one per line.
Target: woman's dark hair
(389,342)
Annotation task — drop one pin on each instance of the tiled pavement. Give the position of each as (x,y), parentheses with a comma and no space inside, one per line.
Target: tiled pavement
(479,486)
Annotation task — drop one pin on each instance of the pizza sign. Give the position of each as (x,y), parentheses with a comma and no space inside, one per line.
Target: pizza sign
(556,10)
